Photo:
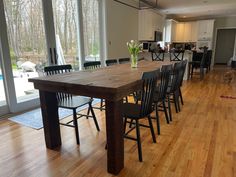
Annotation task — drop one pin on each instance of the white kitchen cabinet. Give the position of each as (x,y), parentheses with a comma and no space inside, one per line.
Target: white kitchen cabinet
(179,35)
(145,26)
(205,29)
(149,22)
(186,32)
(194,32)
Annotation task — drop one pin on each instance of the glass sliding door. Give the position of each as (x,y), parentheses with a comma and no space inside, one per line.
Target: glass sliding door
(90,13)
(66,29)
(26,36)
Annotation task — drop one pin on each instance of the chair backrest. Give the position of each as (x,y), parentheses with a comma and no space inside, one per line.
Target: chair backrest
(90,65)
(208,57)
(124,60)
(175,76)
(181,77)
(148,88)
(203,59)
(111,62)
(176,55)
(59,69)
(164,81)
(196,56)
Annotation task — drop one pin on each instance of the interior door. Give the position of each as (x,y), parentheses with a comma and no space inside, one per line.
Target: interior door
(224,45)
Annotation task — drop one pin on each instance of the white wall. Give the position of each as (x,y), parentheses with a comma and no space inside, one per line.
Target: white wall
(122,26)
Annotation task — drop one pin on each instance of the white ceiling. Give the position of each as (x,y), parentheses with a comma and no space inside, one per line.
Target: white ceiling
(197,9)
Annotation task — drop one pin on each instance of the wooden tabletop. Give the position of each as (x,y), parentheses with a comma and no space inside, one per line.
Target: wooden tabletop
(95,83)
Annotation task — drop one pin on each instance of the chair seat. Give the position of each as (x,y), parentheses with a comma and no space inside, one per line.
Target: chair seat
(131,110)
(74,102)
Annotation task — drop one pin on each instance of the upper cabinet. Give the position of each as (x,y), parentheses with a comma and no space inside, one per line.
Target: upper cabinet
(186,32)
(149,22)
(180,31)
(205,29)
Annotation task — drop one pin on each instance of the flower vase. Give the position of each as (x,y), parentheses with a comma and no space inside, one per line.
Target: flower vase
(134,61)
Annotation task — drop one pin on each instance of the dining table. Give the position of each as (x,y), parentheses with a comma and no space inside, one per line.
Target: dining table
(111,83)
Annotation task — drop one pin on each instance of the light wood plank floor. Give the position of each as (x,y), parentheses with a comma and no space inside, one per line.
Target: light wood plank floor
(200,142)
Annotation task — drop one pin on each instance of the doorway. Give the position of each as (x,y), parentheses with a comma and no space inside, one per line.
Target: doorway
(225,45)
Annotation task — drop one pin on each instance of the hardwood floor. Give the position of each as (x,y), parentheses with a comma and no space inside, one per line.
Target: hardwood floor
(200,142)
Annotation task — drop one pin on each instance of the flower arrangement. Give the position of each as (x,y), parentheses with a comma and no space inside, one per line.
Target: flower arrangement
(134,48)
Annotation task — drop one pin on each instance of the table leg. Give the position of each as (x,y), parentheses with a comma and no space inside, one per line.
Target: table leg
(49,110)
(115,141)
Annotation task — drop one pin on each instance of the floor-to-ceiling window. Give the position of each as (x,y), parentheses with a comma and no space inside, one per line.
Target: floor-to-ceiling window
(37,33)
(90,11)
(66,24)
(26,37)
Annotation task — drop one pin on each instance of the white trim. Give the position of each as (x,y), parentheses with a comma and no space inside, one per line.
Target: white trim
(103,31)
(80,34)
(6,62)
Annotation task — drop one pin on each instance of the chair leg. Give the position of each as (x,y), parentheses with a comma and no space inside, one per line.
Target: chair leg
(125,123)
(201,73)
(165,110)
(140,156)
(94,117)
(181,97)
(189,69)
(126,99)
(76,126)
(192,72)
(175,102)
(101,104)
(88,112)
(177,99)
(169,107)
(152,129)
(157,120)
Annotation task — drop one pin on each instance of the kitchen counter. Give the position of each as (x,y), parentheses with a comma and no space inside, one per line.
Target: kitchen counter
(187,56)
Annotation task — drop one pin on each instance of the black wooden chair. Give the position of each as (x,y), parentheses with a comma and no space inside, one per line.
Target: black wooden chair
(91,65)
(123,60)
(135,112)
(198,62)
(68,101)
(184,64)
(158,55)
(176,55)
(208,60)
(111,62)
(173,87)
(160,94)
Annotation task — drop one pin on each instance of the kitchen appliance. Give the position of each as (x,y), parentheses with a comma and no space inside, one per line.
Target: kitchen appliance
(158,36)
(146,46)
